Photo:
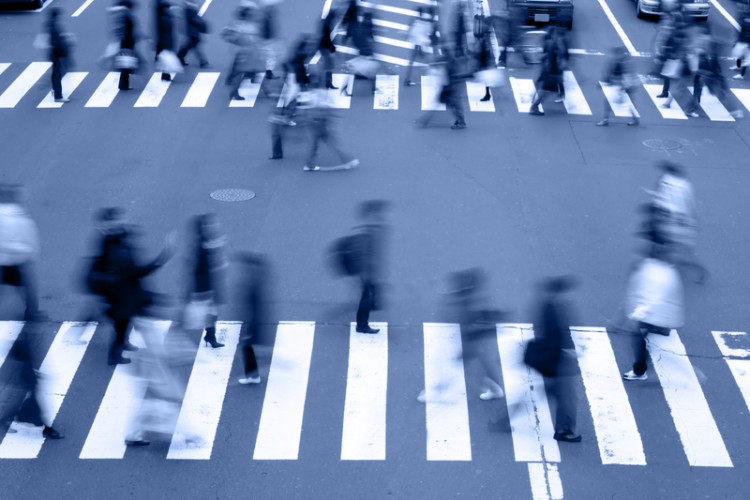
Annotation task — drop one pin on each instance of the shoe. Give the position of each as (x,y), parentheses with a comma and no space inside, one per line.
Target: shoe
(632,376)
(331,87)
(485,98)
(693,114)
(666,105)
(458,126)
(663,95)
(51,433)
(490,395)
(602,123)
(129,347)
(119,361)
(214,343)
(367,329)
(62,99)
(535,112)
(409,83)
(634,122)
(352,164)
(734,67)
(237,97)
(270,75)
(166,78)
(275,157)
(249,380)
(568,437)
(737,113)
(137,442)
(559,99)
(737,77)
(310,168)
(291,123)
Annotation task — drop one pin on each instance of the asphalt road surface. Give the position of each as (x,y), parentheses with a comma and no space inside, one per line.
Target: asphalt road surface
(521,196)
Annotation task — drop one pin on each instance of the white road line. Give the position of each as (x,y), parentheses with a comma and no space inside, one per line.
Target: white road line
(326,9)
(619,101)
(106,92)
(530,418)
(106,439)
(523,92)
(574,101)
(713,107)
(545,481)
(21,85)
(743,95)
(70,82)
(57,372)
(204,7)
(430,93)
(200,90)
(335,97)
(475,91)
(80,9)
(388,8)
(153,93)
(446,408)
(9,331)
(284,403)
(390,24)
(616,431)
(249,91)
(3,67)
(726,14)
(363,436)
(696,426)
(724,339)
(380,57)
(399,43)
(431,3)
(204,396)
(625,40)
(740,369)
(387,95)
(674,112)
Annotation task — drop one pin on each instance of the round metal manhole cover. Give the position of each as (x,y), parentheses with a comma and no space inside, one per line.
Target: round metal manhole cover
(232,194)
(662,144)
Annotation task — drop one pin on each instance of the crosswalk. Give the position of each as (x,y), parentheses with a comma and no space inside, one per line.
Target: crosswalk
(201,90)
(365,422)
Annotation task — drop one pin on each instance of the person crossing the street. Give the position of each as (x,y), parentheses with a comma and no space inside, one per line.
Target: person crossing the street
(620,77)
(60,51)
(195,27)
(372,236)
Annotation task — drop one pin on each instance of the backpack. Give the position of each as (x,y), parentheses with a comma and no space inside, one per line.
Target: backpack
(345,255)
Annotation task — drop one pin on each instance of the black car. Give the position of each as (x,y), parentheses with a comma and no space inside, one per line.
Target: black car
(538,12)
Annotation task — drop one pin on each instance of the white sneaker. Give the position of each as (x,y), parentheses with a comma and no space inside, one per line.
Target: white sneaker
(353,163)
(559,99)
(249,380)
(693,114)
(632,376)
(737,113)
(738,77)
(490,395)
(310,168)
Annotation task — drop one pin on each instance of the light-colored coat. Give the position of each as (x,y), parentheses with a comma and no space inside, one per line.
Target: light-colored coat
(655,294)
(19,239)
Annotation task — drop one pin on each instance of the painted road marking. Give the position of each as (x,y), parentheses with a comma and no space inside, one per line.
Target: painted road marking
(335,97)
(398,61)
(614,422)
(430,93)
(625,40)
(399,43)
(106,439)
(618,100)
(390,24)
(153,93)
(3,67)
(713,107)
(575,102)
(363,436)
(387,95)
(70,81)
(21,85)
(524,91)
(204,396)
(200,90)
(528,408)
(249,90)
(673,112)
(57,372)
(740,369)
(105,92)
(696,426)
(726,14)
(284,403)
(9,331)
(743,95)
(446,408)
(545,481)
(391,9)
(83,7)
(475,91)
(729,344)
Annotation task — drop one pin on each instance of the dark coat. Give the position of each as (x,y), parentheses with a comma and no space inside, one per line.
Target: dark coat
(128,31)
(208,264)
(364,38)
(194,24)
(552,328)
(326,28)
(164,27)
(58,44)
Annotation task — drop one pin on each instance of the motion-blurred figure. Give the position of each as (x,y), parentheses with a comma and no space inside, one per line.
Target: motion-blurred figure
(551,76)
(741,49)
(126,61)
(350,21)
(372,236)
(195,27)
(620,75)
(60,51)
(269,16)
(553,354)
(708,72)
(420,36)
(208,268)
(24,402)
(452,88)
(459,32)
(327,48)
(254,291)
(243,33)
(674,54)
(654,302)
(164,31)
(19,248)
(485,58)
(509,23)
(323,129)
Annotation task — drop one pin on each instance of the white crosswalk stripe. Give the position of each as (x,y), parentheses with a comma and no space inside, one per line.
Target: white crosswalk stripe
(249,90)
(430,93)
(713,108)
(106,92)
(673,112)
(386,96)
(3,67)
(200,90)
(574,101)
(475,92)
(21,85)
(523,93)
(743,95)
(618,100)
(153,93)
(737,359)
(70,82)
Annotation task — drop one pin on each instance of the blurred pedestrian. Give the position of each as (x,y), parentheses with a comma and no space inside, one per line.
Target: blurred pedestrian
(459,32)
(126,61)
(741,49)
(551,76)
(452,80)
(24,402)
(350,21)
(620,76)
(327,48)
(419,35)
(674,54)
(372,236)
(485,59)
(708,72)
(195,27)
(269,16)
(164,31)
(553,354)
(209,267)
(243,33)
(509,24)
(60,52)
(654,303)
(255,302)
(19,249)
(323,128)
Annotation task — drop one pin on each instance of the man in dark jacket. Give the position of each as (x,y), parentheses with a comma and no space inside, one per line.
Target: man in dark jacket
(164,31)
(127,42)
(552,328)
(327,48)
(195,26)
(372,238)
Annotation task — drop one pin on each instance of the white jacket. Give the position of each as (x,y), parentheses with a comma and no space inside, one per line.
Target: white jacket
(655,294)
(19,239)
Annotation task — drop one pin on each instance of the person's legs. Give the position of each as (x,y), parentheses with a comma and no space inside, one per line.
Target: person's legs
(333,142)
(567,402)
(315,138)
(29,283)
(641,352)
(121,334)
(57,78)
(365,305)
(251,363)
(124,83)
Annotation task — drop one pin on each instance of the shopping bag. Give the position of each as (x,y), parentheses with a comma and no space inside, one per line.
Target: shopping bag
(361,65)
(168,62)
(672,68)
(541,357)
(41,42)
(125,59)
(491,77)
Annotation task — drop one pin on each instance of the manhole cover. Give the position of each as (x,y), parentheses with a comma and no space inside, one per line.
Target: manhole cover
(662,144)
(232,194)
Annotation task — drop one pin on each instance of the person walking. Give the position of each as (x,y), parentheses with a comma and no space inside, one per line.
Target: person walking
(552,329)
(269,32)
(364,42)
(372,235)
(19,249)
(550,77)
(243,33)
(208,273)
(254,291)
(654,302)
(61,44)
(164,32)
(452,90)
(741,49)
(674,54)
(350,21)
(708,70)
(323,129)
(195,27)
(620,76)
(126,61)
(485,58)
(419,35)
(327,48)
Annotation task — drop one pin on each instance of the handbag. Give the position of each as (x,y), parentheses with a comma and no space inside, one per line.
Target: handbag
(197,312)
(125,59)
(541,357)
(168,62)
(672,68)
(491,77)
(41,42)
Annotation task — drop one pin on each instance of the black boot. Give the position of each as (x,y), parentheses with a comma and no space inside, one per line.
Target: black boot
(210,337)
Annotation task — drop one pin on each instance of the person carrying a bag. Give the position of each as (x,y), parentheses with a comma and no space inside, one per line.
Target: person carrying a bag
(243,33)
(195,26)
(620,75)
(126,61)
(60,45)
